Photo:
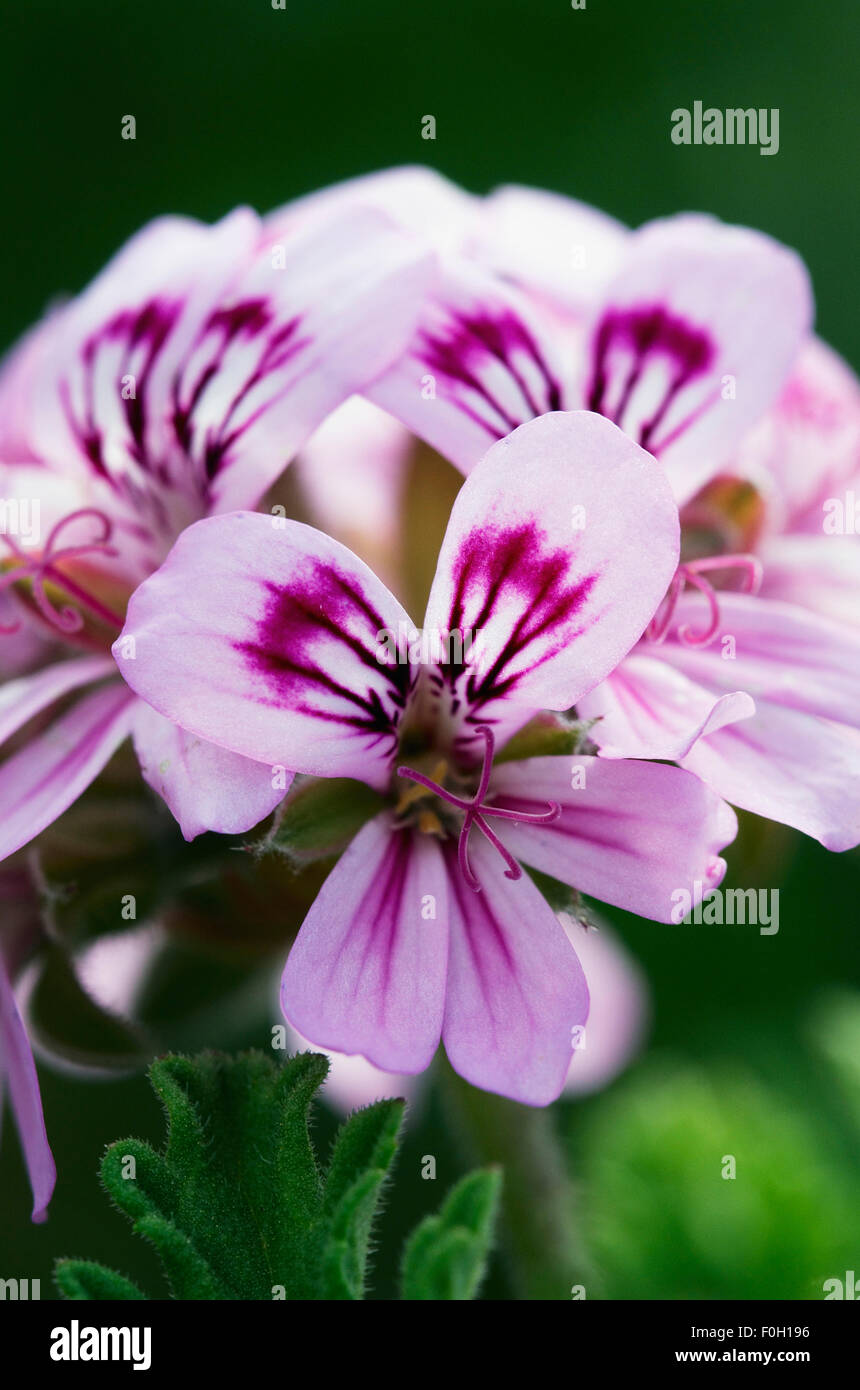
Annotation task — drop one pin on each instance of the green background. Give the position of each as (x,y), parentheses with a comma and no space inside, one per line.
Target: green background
(238,102)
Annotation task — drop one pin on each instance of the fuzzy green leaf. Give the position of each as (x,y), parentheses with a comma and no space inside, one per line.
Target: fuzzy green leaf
(446,1255)
(84,1279)
(367,1143)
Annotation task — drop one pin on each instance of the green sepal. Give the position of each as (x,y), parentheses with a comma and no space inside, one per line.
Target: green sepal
(548,736)
(319,818)
(446,1255)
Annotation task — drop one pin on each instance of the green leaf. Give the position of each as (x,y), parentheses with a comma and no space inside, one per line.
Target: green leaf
(366,1143)
(446,1255)
(83,1279)
(319,818)
(237,1204)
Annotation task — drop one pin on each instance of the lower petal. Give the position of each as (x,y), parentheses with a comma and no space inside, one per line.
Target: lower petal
(516,990)
(367,971)
(205,786)
(42,780)
(18,1071)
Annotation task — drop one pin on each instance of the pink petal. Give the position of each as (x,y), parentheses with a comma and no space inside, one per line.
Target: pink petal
(206,787)
(263,635)
(21,699)
(820,573)
(559,548)
(788,766)
(632,835)
(516,990)
(782,654)
(18,1071)
(43,778)
(696,308)
(367,971)
(189,373)
(482,361)
(555,247)
(648,709)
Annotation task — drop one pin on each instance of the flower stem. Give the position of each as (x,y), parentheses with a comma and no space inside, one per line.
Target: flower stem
(545,1254)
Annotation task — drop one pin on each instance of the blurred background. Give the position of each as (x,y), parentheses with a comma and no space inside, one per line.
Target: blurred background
(754,1040)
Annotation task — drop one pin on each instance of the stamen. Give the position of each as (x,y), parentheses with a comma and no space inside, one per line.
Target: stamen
(692,573)
(41,568)
(476,810)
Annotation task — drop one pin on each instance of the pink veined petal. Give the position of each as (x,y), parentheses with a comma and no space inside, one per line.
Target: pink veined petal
(190,372)
(206,787)
(619,1012)
(367,971)
(21,699)
(632,835)
(555,247)
(265,636)
(42,779)
(781,653)
(559,548)
(482,360)
(820,573)
(18,1071)
(695,337)
(647,709)
(788,766)
(806,448)
(517,997)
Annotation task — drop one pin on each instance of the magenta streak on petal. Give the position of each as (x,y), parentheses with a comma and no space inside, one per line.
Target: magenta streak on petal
(497,564)
(647,331)
(147,327)
(379,909)
(248,319)
(691,573)
(319,604)
(472,340)
(476,809)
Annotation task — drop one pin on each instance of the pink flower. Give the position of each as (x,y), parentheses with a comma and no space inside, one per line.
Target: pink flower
(178,385)
(266,640)
(694,338)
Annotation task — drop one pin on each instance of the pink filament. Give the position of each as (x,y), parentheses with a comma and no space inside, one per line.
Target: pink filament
(42,567)
(475,812)
(692,573)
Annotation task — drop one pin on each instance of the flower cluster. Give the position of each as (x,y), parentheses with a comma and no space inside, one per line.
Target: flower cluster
(651,439)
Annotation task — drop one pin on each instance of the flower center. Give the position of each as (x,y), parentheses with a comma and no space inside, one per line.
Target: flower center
(475,811)
(42,569)
(692,572)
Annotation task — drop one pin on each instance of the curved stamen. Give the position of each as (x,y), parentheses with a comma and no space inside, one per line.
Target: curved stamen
(476,810)
(692,572)
(41,568)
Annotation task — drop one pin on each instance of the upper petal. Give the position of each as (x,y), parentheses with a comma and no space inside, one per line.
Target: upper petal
(559,548)
(694,339)
(629,833)
(265,636)
(516,990)
(367,971)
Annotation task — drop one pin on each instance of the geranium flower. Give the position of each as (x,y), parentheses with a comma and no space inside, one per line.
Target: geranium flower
(687,334)
(267,638)
(177,385)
